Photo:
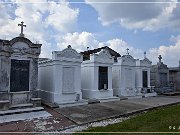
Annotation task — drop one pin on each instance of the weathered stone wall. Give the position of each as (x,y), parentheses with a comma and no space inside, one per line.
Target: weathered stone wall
(18,48)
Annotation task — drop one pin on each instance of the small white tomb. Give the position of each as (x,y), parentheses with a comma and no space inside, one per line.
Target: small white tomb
(60,78)
(96,77)
(124,77)
(142,82)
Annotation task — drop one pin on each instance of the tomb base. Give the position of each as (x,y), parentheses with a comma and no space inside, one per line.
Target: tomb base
(127,93)
(72,103)
(108,99)
(4,105)
(17,100)
(154,94)
(97,94)
(132,97)
(36,102)
(62,99)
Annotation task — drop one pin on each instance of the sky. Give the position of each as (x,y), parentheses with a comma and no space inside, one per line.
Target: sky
(140,25)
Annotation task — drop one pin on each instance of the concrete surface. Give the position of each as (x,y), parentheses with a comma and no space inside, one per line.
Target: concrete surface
(100,111)
(62,119)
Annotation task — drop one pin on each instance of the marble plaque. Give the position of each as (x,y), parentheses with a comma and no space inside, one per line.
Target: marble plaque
(19,77)
(128,76)
(68,80)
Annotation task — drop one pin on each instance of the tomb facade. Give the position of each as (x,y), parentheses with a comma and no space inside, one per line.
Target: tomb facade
(142,82)
(174,77)
(124,77)
(60,78)
(96,77)
(160,77)
(18,72)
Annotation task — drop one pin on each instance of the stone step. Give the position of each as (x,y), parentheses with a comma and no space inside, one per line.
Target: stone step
(133,97)
(25,110)
(174,93)
(72,103)
(123,98)
(21,106)
(149,94)
(108,99)
(93,101)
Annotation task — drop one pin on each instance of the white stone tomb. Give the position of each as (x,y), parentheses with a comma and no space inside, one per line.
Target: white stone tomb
(124,77)
(60,78)
(96,77)
(142,82)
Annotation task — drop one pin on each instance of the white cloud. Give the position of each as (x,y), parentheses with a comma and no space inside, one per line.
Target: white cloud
(145,16)
(38,17)
(80,42)
(62,17)
(169,53)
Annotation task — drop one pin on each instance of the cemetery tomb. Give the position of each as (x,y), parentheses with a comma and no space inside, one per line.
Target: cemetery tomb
(143,68)
(124,77)
(96,77)
(160,77)
(19,70)
(59,78)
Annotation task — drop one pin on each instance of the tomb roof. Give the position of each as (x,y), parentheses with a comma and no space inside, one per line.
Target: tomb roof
(86,54)
(26,40)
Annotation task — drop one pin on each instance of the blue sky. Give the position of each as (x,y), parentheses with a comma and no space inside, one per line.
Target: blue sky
(152,27)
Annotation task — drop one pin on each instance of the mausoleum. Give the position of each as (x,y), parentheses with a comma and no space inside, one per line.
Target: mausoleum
(160,77)
(18,72)
(174,77)
(96,77)
(142,80)
(124,77)
(60,78)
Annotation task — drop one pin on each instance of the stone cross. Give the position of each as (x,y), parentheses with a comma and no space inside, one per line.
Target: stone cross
(127,51)
(21,34)
(144,54)
(160,58)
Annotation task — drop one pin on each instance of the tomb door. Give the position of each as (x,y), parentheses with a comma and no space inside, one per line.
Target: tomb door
(145,79)
(19,76)
(163,79)
(103,78)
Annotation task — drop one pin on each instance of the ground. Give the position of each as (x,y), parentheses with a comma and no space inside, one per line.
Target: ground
(161,120)
(72,119)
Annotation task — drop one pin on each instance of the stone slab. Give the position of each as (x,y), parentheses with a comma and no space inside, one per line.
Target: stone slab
(21,106)
(8,112)
(155,101)
(95,112)
(53,123)
(108,99)
(8,128)
(150,94)
(24,116)
(72,103)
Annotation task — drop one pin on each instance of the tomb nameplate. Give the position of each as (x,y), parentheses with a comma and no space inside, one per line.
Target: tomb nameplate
(128,77)
(19,77)
(68,80)
(163,79)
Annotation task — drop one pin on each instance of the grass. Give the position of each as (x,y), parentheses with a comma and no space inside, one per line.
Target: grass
(158,120)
